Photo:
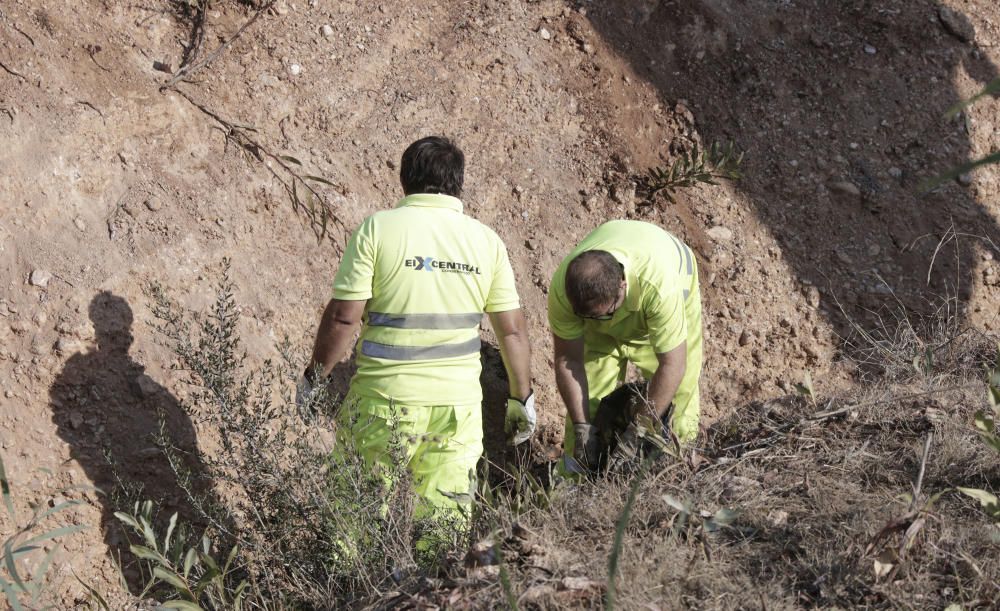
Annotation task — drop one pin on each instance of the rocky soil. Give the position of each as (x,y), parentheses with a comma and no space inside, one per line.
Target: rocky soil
(111,181)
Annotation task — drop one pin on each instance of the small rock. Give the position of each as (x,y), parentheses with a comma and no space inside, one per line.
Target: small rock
(895,172)
(812,296)
(870,50)
(545,34)
(146,385)
(964,179)
(844,187)
(956,24)
(327,31)
(66,345)
(8,394)
(39,278)
(873,250)
(530,244)
(40,348)
(720,233)
(844,257)
(294,69)
(281,8)
(78,222)
(744,338)
(153,204)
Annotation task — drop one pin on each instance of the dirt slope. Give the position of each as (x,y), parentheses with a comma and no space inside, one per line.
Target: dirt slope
(109,183)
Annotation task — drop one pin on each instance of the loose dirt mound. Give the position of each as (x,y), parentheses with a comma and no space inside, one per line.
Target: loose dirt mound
(110,182)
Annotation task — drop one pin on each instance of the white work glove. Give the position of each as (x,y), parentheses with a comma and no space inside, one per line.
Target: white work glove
(303,397)
(520,421)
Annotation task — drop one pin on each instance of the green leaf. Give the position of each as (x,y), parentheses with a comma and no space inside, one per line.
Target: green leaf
(8,500)
(124,517)
(180,605)
(985,422)
(206,580)
(11,567)
(189,559)
(991,88)
(170,532)
(141,551)
(290,159)
(675,503)
(9,590)
(319,179)
(805,388)
(94,594)
(58,508)
(724,516)
(957,171)
(229,559)
(52,534)
(985,498)
(174,580)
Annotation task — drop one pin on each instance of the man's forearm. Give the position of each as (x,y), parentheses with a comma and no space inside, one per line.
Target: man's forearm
(516,355)
(334,339)
(512,334)
(571,380)
(667,379)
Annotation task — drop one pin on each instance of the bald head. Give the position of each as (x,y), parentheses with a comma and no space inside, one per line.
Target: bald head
(593,279)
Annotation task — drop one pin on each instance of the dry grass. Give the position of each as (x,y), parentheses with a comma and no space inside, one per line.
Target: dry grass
(817,501)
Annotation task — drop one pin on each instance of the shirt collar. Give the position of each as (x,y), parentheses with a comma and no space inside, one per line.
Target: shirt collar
(632,297)
(431,200)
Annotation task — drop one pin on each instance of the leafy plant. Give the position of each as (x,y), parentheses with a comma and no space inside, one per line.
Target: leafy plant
(697,166)
(198,581)
(805,388)
(311,525)
(28,540)
(986,423)
(991,88)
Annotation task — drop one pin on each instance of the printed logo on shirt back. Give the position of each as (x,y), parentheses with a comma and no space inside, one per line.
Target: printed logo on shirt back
(432,264)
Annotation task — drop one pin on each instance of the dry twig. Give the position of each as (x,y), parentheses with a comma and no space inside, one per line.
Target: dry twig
(187,70)
(240,135)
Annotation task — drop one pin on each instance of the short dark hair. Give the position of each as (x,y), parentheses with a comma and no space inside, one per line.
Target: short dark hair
(592,280)
(432,165)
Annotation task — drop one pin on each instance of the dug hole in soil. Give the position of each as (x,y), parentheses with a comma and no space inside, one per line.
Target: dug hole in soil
(111,181)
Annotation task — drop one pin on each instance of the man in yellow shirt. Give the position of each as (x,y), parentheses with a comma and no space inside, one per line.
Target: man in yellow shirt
(420,277)
(628,292)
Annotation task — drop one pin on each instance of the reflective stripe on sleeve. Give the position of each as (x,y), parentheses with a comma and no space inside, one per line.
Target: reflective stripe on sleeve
(419,353)
(425,321)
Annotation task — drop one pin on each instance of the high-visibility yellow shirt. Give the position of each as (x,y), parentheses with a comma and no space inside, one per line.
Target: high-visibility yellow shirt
(660,275)
(428,272)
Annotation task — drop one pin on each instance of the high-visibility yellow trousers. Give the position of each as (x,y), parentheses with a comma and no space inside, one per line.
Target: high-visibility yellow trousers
(439,445)
(606,363)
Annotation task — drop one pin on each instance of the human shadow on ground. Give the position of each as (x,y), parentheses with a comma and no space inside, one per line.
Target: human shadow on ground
(839,107)
(110,413)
